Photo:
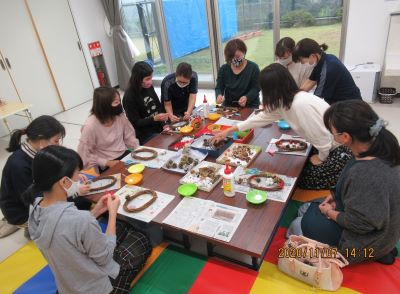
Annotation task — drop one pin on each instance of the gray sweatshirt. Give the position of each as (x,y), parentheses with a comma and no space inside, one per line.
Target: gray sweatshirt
(371,217)
(79,254)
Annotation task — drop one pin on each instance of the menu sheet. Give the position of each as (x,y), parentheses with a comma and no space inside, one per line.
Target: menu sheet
(206,217)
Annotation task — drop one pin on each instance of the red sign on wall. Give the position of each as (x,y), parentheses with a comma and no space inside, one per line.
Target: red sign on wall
(95,49)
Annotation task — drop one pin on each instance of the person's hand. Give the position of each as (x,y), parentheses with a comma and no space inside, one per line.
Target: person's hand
(173,118)
(220,99)
(330,200)
(84,189)
(113,204)
(219,137)
(161,117)
(101,206)
(111,163)
(243,101)
(325,207)
(186,115)
(315,160)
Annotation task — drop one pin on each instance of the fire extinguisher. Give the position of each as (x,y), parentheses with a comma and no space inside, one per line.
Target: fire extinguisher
(101,76)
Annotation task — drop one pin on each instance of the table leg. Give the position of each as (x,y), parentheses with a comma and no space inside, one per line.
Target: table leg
(186,241)
(28,115)
(210,249)
(7,125)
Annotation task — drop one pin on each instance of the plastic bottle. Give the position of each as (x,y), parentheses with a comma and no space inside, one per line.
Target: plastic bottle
(228,182)
(206,108)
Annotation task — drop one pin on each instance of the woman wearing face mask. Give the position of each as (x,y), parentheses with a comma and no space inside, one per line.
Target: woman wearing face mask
(237,79)
(17,172)
(142,105)
(107,133)
(283,51)
(334,82)
(362,216)
(81,257)
(282,99)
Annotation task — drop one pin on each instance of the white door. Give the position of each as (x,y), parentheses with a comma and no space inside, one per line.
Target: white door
(25,60)
(8,93)
(57,31)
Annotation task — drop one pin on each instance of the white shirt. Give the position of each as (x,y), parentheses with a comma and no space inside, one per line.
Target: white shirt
(300,72)
(306,118)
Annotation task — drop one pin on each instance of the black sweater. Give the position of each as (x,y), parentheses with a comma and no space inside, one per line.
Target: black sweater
(16,178)
(140,110)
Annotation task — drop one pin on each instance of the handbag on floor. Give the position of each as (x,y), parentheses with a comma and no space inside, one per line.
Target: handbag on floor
(312,262)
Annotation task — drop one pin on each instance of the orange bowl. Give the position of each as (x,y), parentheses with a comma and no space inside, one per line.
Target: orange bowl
(133,179)
(214,116)
(186,129)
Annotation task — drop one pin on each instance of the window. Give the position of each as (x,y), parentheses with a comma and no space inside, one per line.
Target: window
(167,32)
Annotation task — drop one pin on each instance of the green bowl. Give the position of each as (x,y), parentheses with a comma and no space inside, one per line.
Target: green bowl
(187,190)
(256,196)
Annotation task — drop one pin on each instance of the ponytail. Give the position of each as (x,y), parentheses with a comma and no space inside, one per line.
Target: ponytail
(386,147)
(15,140)
(30,194)
(324,47)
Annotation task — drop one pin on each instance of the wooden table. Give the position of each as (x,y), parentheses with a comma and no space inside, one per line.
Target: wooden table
(13,108)
(258,227)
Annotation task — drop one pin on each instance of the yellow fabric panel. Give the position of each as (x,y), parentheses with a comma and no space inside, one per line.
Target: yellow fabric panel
(271,280)
(309,195)
(153,256)
(20,267)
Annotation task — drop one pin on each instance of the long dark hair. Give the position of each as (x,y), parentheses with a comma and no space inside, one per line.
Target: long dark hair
(356,118)
(42,127)
(49,166)
(140,70)
(102,100)
(284,45)
(277,87)
(305,47)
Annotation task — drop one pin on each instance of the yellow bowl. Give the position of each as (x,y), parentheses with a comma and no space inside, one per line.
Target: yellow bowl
(214,116)
(133,179)
(186,129)
(136,168)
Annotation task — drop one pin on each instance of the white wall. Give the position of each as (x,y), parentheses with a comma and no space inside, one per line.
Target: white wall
(367,30)
(89,18)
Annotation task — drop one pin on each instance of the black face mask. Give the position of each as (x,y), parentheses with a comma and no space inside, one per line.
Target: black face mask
(117,110)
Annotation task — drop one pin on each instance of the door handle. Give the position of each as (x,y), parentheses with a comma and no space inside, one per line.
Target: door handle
(79,45)
(2,64)
(8,63)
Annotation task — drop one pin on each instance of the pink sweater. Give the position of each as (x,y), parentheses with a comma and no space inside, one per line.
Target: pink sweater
(99,143)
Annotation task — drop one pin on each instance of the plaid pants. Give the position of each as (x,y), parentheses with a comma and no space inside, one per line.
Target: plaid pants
(132,250)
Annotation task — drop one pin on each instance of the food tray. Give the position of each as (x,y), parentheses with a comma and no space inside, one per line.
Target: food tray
(234,161)
(244,136)
(181,143)
(204,184)
(211,129)
(194,154)
(213,152)
(291,145)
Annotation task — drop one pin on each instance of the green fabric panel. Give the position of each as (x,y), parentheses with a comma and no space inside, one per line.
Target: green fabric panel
(290,213)
(174,271)
(398,249)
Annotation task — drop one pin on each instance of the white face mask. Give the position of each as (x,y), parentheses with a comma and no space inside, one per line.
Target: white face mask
(73,190)
(286,61)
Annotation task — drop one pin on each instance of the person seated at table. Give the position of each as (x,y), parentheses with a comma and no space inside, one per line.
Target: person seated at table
(107,134)
(81,257)
(142,105)
(283,51)
(237,79)
(304,112)
(362,217)
(178,92)
(334,82)
(43,131)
